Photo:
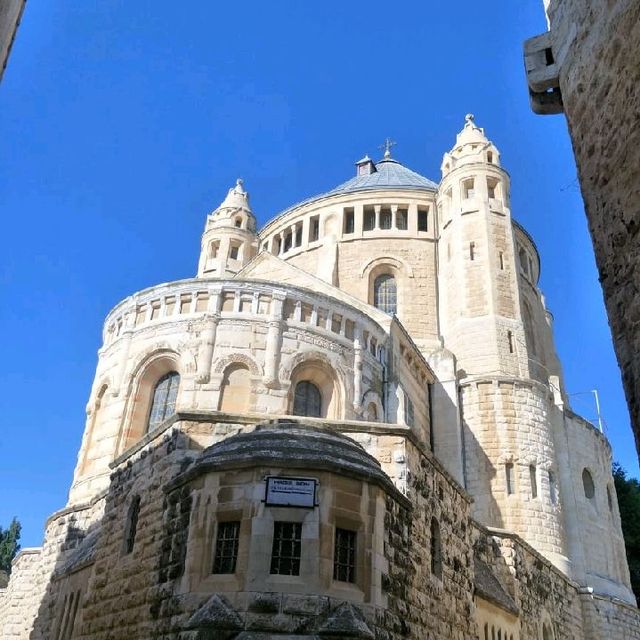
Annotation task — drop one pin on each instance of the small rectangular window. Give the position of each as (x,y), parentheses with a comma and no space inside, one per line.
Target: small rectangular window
(423,219)
(299,236)
(510,341)
(369,218)
(508,477)
(349,220)
(344,556)
(285,553)
(288,239)
(401,219)
(534,481)
(468,190)
(233,251)
(131,524)
(314,228)
(492,188)
(472,251)
(553,488)
(385,218)
(501,259)
(409,416)
(226,552)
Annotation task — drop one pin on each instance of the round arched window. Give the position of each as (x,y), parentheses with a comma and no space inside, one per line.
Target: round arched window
(587,483)
(307,400)
(163,404)
(385,294)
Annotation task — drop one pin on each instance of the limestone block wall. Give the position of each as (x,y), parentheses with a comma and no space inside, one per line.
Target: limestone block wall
(199,328)
(596,54)
(543,595)
(598,516)
(478,283)
(421,603)
(607,618)
(18,601)
(351,259)
(510,454)
(156,589)
(33,568)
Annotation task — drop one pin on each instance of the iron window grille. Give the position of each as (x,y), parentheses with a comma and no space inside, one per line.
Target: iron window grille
(344,557)
(227,541)
(287,543)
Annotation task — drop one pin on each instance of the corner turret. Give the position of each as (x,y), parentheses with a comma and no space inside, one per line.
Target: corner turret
(229,240)
(472,146)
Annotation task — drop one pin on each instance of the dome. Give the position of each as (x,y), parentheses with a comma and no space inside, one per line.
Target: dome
(291,444)
(388,174)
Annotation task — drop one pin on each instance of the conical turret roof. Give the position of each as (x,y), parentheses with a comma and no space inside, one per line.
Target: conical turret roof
(237,198)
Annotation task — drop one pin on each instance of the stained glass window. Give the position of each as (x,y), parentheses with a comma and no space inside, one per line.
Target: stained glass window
(384,294)
(163,404)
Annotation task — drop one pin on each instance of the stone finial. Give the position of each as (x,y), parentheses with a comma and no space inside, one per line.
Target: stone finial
(237,197)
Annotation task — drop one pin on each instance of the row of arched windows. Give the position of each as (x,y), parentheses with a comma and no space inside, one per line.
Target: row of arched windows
(234,393)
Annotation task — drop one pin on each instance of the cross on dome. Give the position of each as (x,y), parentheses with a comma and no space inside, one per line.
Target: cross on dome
(388,143)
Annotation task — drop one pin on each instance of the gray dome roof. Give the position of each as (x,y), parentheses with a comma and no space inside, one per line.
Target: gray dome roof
(290,444)
(389,174)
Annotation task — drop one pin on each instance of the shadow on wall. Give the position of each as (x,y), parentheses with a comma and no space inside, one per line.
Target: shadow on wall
(480,475)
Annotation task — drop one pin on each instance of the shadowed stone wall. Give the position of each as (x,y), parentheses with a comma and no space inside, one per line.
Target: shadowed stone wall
(592,55)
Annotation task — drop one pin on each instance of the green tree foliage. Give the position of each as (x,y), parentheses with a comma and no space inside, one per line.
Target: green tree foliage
(9,545)
(628,490)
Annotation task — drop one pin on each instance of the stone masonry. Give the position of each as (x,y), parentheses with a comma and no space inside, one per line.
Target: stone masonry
(588,66)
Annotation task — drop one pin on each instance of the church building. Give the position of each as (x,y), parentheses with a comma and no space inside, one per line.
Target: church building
(352,423)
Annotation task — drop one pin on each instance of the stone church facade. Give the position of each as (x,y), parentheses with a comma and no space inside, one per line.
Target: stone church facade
(350,424)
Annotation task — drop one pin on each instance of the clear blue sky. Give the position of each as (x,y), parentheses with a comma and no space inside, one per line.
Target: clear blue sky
(124,123)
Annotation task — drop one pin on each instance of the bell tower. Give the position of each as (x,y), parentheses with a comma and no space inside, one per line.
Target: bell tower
(229,240)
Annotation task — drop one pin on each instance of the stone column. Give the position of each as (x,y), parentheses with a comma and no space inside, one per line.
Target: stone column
(128,323)
(274,342)
(357,371)
(206,356)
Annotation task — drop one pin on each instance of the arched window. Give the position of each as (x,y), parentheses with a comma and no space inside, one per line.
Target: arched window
(307,400)
(235,389)
(163,404)
(384,294)
(436,549)
(587,484)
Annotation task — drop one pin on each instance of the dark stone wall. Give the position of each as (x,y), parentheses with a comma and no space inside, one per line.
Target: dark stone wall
(597,48)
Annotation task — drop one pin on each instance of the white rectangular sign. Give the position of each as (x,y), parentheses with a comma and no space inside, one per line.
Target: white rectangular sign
(291,492)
